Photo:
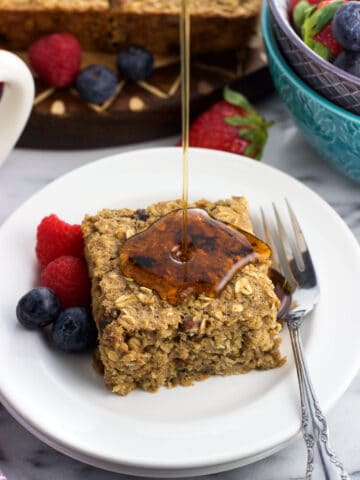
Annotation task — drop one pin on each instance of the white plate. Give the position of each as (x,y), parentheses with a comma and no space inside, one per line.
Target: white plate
(218,423)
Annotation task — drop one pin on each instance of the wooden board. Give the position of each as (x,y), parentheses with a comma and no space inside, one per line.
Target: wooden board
(141,112)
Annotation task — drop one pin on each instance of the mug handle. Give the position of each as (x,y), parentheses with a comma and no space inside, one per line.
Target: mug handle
(16,101)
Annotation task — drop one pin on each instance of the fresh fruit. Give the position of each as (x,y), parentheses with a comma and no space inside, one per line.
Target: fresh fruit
(327,40)
(231,125)
(306,4)
(298,13)
(349,62)
(56,238)
(346,26)
(56,58)
(317,29)
(37,308)
(74,330)
(292,6)
(135,63)
(96,84)
(68,277)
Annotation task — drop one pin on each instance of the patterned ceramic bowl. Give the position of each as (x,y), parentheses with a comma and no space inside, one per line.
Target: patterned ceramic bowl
(336,85)
(334,132)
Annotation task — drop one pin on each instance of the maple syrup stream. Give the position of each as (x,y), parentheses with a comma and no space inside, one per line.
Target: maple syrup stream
(207,262)
(185,116)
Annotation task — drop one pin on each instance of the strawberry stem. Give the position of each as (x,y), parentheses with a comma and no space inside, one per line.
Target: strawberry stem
(315,21)
(252,126)
(237,99)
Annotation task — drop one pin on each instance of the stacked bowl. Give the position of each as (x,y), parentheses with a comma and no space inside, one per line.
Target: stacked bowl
(323,100)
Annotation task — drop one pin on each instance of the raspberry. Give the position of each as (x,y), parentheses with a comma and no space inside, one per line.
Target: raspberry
(68,277)
(56,238)
(56,58)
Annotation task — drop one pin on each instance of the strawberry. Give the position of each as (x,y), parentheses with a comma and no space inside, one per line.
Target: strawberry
(292,5)
(56,58)
(232,125)
(326,38)
(317,29)
(297,10)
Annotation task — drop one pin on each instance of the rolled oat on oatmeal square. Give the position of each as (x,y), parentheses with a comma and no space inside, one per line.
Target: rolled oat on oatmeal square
(146,343)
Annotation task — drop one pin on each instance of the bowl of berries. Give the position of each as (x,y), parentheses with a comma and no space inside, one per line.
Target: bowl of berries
(333,131)
(320,39)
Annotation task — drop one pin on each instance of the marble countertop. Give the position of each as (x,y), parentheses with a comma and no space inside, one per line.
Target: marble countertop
(23,457)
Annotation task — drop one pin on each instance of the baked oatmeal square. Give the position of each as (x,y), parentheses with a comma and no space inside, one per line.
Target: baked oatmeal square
(146,343)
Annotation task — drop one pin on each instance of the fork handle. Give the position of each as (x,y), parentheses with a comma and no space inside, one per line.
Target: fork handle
(322,462)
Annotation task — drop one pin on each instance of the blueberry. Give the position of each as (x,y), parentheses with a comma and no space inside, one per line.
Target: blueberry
(38,308)
(346,26)
(74,330)
(96,84)
(135,63)
(350,62)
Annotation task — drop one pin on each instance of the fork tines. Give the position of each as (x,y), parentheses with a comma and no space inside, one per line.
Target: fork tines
(290,253)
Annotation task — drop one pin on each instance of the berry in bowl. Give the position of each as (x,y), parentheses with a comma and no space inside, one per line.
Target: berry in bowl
(321,42)
(331,130)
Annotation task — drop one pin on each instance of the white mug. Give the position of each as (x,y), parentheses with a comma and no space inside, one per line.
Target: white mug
(16,101)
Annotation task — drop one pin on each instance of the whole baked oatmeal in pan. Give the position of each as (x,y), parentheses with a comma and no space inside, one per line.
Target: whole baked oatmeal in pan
(146,343)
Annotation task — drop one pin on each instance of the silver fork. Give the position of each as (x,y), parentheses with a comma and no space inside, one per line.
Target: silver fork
(291,257)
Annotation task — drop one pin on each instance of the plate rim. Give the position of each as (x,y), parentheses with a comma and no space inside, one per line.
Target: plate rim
(67,449)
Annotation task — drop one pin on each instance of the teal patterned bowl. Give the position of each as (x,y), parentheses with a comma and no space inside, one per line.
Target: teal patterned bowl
(332,131)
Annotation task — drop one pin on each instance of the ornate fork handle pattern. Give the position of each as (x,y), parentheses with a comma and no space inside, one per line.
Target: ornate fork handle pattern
(322,462)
